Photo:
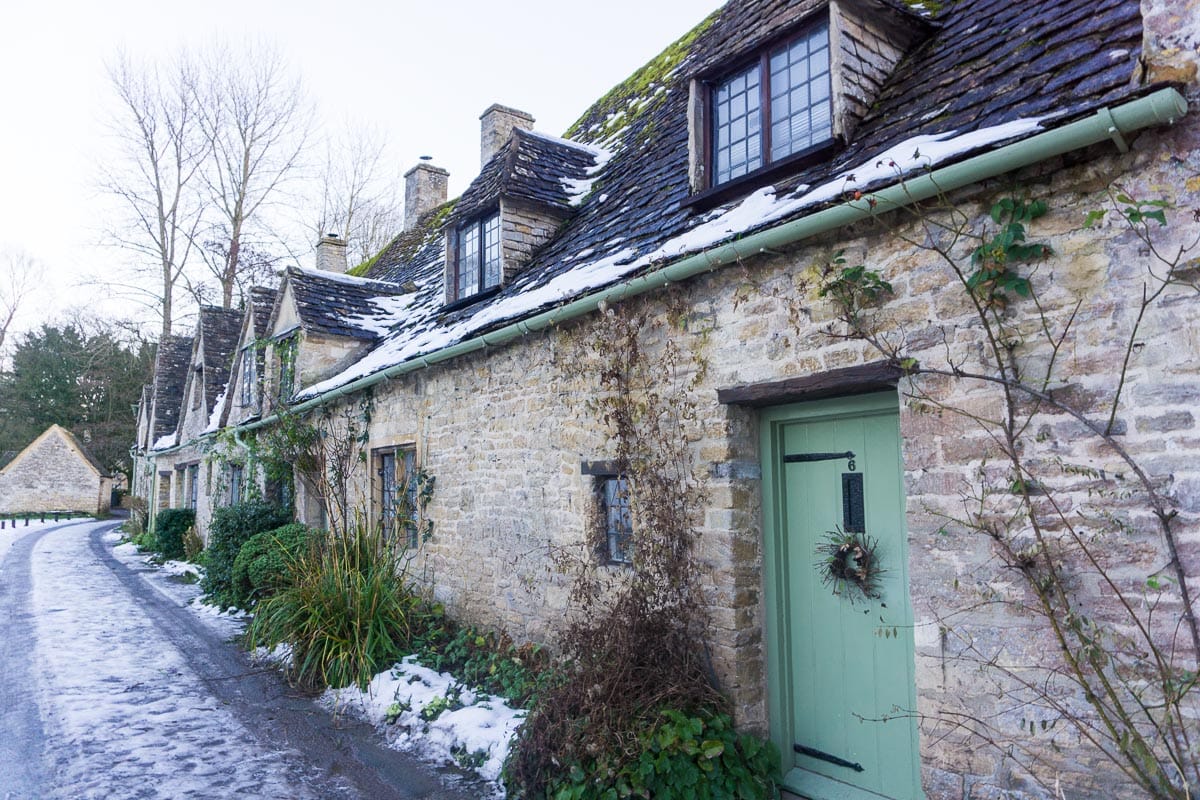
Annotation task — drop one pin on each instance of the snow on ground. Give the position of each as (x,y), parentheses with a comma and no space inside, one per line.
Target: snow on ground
(122,707)
(474,730)
(435,716)
(180,581)
(15,529)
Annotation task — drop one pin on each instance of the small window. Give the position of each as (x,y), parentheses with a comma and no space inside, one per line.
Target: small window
(776,107)
(396,494)
(618,521)
(285,350)
(193,485)
(477,257)
(249,378)
(236,487)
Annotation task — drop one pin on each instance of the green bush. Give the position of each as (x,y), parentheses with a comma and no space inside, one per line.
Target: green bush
(489,661)
(346,611)
(231,526)
(261,566)
(169,527)
(697,757)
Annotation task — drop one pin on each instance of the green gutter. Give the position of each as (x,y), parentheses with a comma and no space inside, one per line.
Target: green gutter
(1164,106)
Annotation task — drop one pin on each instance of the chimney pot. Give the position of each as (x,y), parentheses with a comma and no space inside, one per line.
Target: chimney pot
(331,253)
(496,126)
(425,188)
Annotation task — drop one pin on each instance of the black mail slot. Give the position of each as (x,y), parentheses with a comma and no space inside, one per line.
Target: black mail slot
(853,514)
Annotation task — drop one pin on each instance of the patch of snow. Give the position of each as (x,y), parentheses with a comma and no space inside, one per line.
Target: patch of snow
(164,442)
(483,727)
(579,188)
(341,277)
(181,568)
(391,310)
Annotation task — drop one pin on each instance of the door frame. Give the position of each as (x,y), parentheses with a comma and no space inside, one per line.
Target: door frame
(776,554)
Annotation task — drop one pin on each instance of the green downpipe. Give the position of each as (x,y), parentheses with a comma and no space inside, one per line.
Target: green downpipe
(1162,107)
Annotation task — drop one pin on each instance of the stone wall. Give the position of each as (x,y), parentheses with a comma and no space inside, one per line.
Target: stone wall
(524,228)
(53,477)
(505,431)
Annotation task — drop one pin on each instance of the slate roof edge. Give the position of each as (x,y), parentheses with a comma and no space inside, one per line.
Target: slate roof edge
(1154,107)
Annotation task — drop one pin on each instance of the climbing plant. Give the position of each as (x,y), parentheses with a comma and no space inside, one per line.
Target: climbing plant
(1123,676)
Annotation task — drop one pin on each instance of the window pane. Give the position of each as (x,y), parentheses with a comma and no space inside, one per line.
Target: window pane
(387,493)
(492,261)
(468,260)
(800,95)
(618,519)
(736,129)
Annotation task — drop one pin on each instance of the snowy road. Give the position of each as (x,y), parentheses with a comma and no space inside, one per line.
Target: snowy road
(113,688)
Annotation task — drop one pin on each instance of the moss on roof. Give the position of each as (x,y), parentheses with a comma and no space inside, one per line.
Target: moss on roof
(639,92)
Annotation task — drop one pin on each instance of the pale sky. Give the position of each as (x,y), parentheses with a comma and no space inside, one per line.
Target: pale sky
(421,71)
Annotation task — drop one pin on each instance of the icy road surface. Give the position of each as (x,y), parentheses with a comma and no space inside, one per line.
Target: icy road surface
(113,687)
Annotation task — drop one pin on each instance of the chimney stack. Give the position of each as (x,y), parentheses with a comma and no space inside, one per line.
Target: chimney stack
(425,188)
(496,127)
(331,253)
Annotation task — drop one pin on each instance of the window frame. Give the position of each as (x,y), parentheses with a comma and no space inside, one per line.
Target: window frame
(191,486)
(237,483)
(479,226)
(709,192)
(287,349)
(386,495)
(249,376)
(616,546)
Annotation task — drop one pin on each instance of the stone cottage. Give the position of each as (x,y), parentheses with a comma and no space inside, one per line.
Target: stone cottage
(55,472)
(903,266)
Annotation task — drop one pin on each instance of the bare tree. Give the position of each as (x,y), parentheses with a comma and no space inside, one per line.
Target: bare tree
(256,122)
(359,199)
(19,274)
(162,150)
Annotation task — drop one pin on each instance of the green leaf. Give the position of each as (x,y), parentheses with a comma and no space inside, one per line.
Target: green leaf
(712,748)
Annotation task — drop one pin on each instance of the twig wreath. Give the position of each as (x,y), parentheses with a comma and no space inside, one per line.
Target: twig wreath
(848,563)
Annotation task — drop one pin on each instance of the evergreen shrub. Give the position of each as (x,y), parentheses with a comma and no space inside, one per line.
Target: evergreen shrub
(230,528)
(169,528)
(262,564)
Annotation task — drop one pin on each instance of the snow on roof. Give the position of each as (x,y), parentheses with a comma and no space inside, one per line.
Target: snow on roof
(412,331)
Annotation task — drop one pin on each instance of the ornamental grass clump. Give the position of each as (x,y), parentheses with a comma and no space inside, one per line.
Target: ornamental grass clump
(347,611)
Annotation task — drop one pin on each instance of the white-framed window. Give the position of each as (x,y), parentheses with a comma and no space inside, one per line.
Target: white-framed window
(249,387)
(285,353)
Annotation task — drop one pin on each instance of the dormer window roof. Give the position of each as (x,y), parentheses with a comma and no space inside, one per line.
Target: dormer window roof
(525,191)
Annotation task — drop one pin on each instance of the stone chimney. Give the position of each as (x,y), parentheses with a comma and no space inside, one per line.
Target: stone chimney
(331,253)
(496,127)
(425,188)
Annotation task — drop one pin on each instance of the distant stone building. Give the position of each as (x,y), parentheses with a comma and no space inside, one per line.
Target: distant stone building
(54,473)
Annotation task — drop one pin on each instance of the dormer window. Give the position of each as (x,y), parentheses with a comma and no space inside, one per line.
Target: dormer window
(478,259)
(776,107)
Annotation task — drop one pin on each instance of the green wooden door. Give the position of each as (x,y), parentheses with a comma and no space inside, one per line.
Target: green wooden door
(840,670)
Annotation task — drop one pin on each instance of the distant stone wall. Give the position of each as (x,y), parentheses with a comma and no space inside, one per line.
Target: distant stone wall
(53,477)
